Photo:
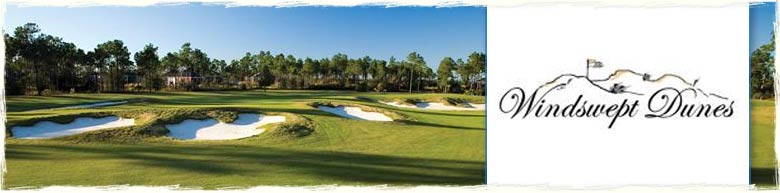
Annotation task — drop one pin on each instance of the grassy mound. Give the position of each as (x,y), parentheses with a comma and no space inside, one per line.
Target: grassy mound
(130,133)
(458,100)
(295,126)
(393,115)
(449,101)
(150,123)
(179,115)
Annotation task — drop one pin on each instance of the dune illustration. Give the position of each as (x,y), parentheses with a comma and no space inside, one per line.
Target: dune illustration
(624,81)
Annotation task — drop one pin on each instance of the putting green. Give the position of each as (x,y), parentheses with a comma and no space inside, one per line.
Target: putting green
(431,147)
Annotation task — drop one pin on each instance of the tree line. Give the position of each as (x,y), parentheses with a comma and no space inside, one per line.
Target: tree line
(762,68)
(38,64)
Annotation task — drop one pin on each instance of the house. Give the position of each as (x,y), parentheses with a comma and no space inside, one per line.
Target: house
(192,80)
(182,79)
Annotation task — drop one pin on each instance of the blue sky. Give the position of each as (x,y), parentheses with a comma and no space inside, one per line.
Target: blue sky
(228,33)
(762,18)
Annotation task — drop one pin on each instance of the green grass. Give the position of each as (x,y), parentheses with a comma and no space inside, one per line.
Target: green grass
(432,147)
(762,153)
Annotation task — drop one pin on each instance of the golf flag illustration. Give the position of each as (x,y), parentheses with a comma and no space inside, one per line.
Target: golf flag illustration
(591,63)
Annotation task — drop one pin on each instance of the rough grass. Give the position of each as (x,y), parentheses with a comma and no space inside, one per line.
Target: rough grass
(437,148)
(762,153)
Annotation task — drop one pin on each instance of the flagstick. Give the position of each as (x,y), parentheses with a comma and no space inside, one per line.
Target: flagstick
(587,69)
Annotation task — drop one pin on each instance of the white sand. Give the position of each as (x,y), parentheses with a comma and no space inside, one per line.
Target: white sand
(211,129)
(355,113)
(48,129)
(437,106)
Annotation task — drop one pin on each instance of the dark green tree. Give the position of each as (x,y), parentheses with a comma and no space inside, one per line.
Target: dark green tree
(762,70)
(149,67)
(114,56)
(444,73)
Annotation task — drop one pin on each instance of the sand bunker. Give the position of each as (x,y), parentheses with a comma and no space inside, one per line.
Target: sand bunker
(355,113)
(48,129)
(211,129)
(437,106)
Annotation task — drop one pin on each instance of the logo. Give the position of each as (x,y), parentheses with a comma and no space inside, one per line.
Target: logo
(624,93)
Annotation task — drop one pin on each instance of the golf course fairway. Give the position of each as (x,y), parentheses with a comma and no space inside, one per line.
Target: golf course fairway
(763,164)
(428,147)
